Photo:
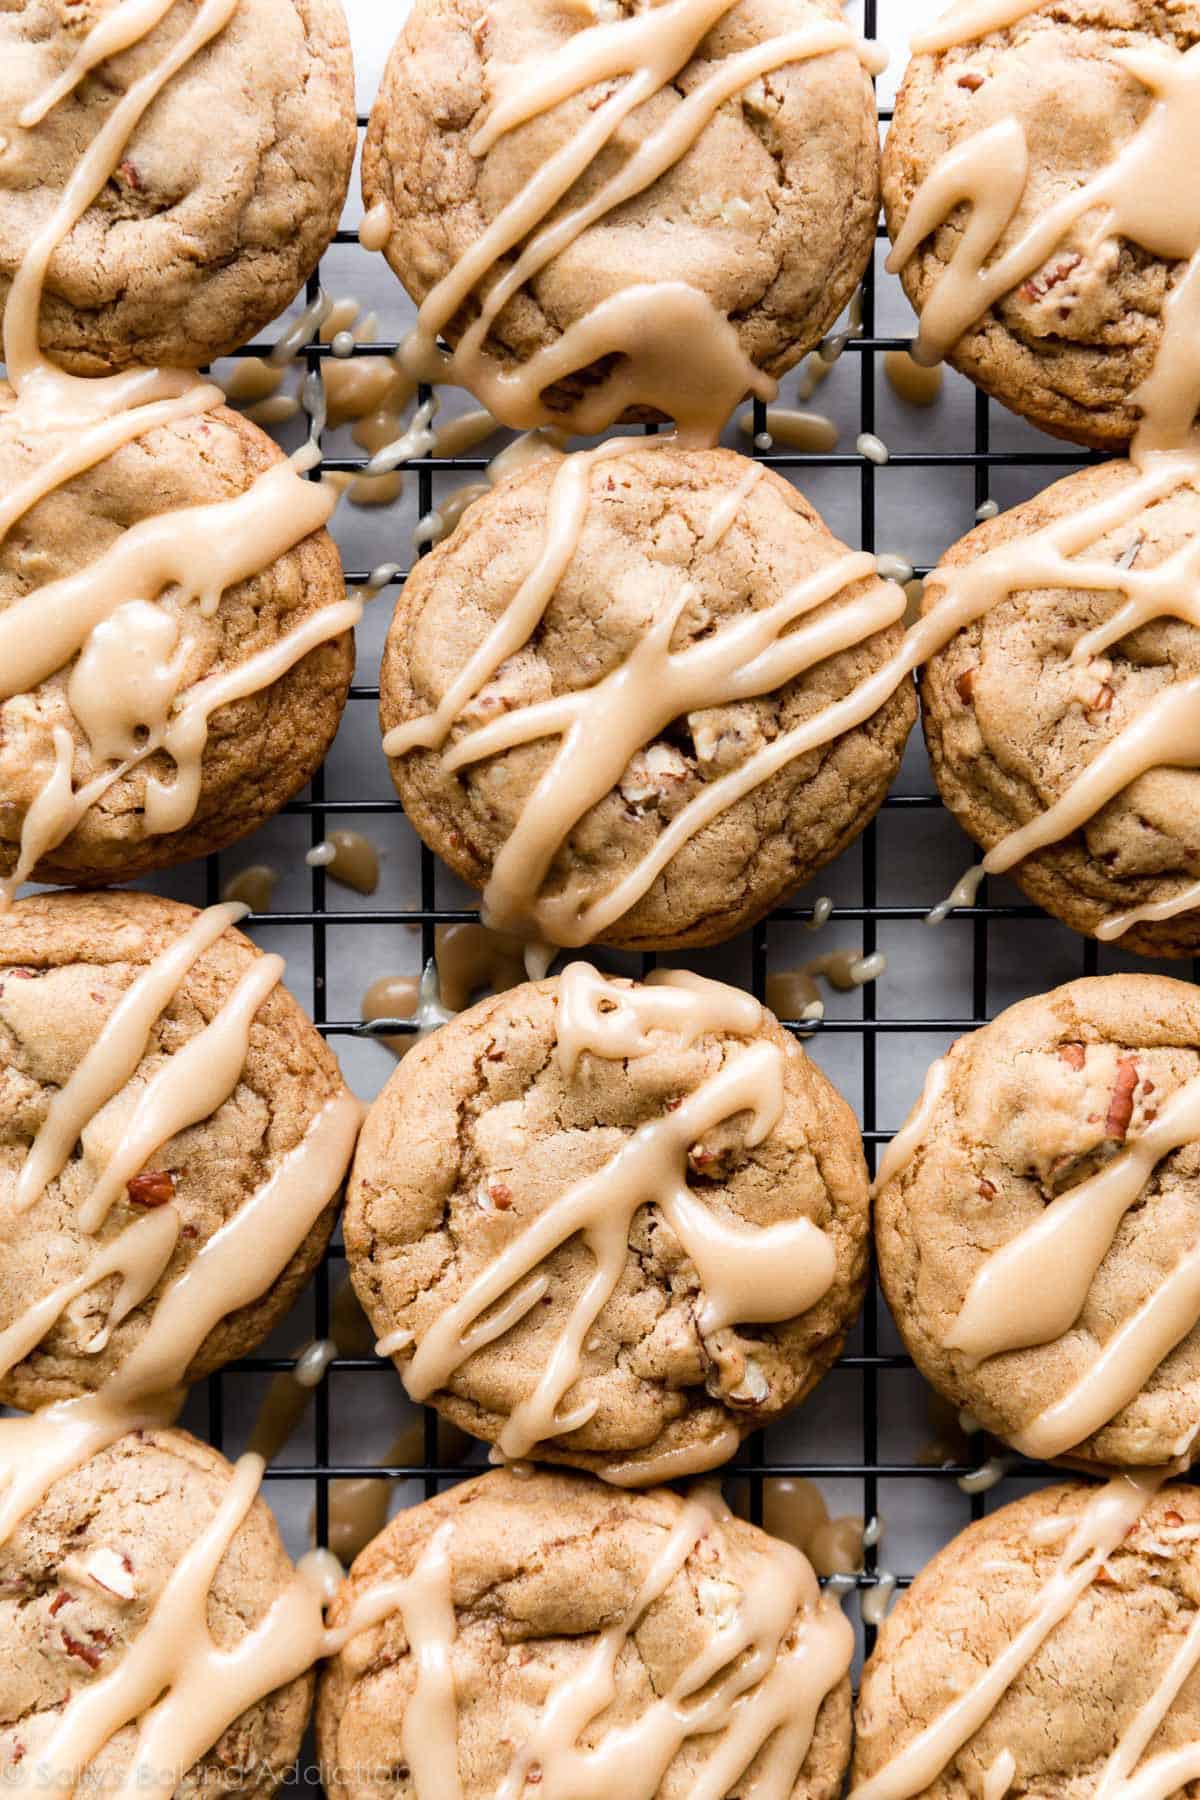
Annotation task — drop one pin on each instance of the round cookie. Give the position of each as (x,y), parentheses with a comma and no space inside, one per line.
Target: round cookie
(1011,721)
(538,1573)
(1128,1583)
(80,1577)
(770,213)
(1067,1116)
(226,194)
(262,748)
(658,539)
(66,961)
(508,1136)
(1080,325)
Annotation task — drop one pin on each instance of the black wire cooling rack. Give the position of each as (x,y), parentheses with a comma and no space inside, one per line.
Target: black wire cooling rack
(869,1363)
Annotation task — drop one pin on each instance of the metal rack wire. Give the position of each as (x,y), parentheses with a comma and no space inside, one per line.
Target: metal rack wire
(756,1463)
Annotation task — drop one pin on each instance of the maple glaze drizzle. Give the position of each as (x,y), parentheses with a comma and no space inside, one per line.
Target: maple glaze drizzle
(181,1690)
(1107,1517)
(753,1690)
(601,727)
(643,324)
(128,690)
(1142,192)
(760,1274)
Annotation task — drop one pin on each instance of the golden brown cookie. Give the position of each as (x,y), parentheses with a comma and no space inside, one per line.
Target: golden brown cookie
(536,1587)
(226,194)
(80,1577)
(261,747)
(1015,709)
(1037,1228)
(1073,1604)
(1056,116)
(67,961)
(650,688)
(770,212)
(658,1185)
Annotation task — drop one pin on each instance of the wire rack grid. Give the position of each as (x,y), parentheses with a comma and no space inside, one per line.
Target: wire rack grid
(871,1360)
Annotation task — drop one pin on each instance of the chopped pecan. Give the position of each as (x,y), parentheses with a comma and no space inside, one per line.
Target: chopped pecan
(970,79)
(1038,286)
(1074,1055)
(987,1188)
(86,1653)
(1120,1107)
(59,1601)
(964,687)
(154,1187)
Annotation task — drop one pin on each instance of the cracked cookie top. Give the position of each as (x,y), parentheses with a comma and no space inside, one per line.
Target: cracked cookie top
(770,213)
(99,1214)
(722,572)
(639,1645)
(613,1225)
(227,193)
(1053,100)
(1037,1234)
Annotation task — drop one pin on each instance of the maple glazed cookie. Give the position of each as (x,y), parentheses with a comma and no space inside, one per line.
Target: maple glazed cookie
(704,172)
(645,1646)
(226,190)
(1059,705)
(98,1596)
(1050,1648)
(174,643)
(1036,1223)
(1035,179)
(631,697)
(610,1224)
(173,1137)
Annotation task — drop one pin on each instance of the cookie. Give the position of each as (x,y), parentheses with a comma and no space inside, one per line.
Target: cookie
(1021,180)
(91,672)
(80,1579)
(1037,1221)
(156,1085)
(652,1184)
(228,189)
(1048,1649)
(616,698)
(555,1601)
(730,190)
(1078,667)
